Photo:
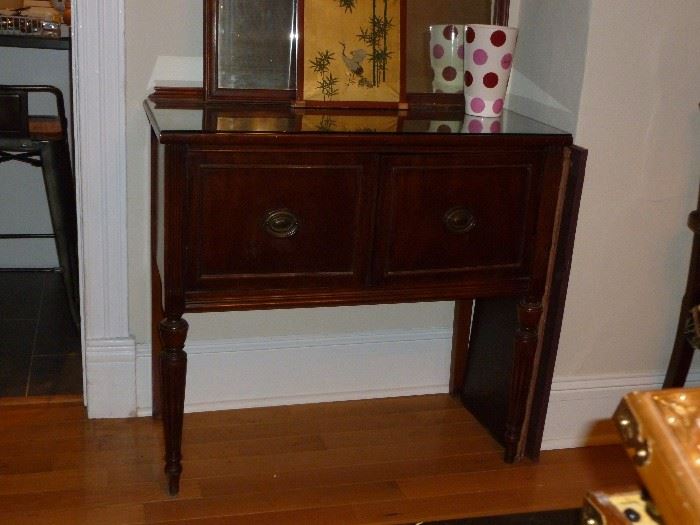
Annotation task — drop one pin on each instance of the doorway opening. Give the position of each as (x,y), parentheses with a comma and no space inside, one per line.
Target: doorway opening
(40,341)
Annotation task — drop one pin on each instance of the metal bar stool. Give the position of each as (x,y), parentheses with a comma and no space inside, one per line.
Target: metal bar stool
(43,142)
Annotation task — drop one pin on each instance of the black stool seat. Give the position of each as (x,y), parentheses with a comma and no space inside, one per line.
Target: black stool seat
(42,141)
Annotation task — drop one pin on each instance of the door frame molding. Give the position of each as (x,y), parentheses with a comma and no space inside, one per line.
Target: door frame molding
(99,98)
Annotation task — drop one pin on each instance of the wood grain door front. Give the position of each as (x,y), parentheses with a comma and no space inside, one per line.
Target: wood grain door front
(448,217)
(276,220)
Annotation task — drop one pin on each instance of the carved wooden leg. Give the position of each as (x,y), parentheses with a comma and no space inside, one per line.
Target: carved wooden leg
(529,313)
(173,332)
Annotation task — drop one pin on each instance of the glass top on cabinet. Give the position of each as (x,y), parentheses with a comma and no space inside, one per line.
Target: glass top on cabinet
(258,118)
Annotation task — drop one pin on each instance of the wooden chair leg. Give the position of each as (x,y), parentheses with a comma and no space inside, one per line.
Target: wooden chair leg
(682,354)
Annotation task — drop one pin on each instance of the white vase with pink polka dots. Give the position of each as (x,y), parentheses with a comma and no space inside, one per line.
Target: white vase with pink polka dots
(488,59)
(447,57)
(490,125)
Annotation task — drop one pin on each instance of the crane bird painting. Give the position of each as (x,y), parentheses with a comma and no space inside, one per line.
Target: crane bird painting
(354,65)
(351,52)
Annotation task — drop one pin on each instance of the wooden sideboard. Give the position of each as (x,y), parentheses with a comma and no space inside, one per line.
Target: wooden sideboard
(257,207)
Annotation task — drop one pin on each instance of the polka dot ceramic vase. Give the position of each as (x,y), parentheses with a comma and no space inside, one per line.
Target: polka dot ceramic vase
(488,57)
(447,57)
(445,126)
(491,125)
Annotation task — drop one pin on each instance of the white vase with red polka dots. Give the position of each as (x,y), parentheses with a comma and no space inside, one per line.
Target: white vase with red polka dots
(447,57)
(488,59)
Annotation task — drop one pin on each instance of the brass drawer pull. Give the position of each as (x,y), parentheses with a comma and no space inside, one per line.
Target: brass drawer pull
(281,223)
(459,219)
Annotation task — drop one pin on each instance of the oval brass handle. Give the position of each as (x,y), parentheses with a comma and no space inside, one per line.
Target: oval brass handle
(459,219)
(281,223)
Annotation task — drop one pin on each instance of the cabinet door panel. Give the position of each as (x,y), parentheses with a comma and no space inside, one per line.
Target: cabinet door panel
(445,216)
(272,220)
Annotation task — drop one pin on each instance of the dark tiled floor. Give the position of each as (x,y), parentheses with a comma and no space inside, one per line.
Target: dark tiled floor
(39,344)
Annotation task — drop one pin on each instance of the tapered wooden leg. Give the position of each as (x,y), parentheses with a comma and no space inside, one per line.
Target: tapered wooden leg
(529,313)
(173,332)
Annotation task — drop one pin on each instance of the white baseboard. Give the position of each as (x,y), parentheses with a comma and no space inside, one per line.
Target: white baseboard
(255,372)
(243,373)
(109,368)
(578,405)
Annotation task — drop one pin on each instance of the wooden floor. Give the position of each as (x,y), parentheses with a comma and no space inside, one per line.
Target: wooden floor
(400,460)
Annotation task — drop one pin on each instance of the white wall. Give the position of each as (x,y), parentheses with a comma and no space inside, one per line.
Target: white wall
(639,118)
(23,204)
(629,93)
(623,77)
(552,39)
(156,33)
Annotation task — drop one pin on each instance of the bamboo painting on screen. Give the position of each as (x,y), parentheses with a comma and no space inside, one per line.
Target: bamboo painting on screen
(350,53)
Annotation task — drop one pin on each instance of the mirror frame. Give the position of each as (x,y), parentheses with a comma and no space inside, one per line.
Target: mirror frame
(214,93)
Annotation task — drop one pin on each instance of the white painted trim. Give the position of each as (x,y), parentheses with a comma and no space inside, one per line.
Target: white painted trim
(578,404)
(111,377)
(100,165)
(287,370)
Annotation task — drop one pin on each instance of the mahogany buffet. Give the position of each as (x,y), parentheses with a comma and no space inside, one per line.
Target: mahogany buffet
(259,207)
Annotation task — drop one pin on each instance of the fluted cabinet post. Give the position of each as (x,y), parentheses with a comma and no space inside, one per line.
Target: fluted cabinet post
(529,313)
(173,332)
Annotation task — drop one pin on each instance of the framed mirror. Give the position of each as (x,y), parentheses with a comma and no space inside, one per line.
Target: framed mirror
(250,49)
(251,46)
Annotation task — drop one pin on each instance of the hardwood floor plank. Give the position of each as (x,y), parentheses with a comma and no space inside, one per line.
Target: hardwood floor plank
(323,516)
(21,415)
(198,433)
(399,460)
(443,435)
(373,472)
(523,476)
(62,399)
(91,497)
(204,462)
(262,502)
(111,515)
(48,481)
